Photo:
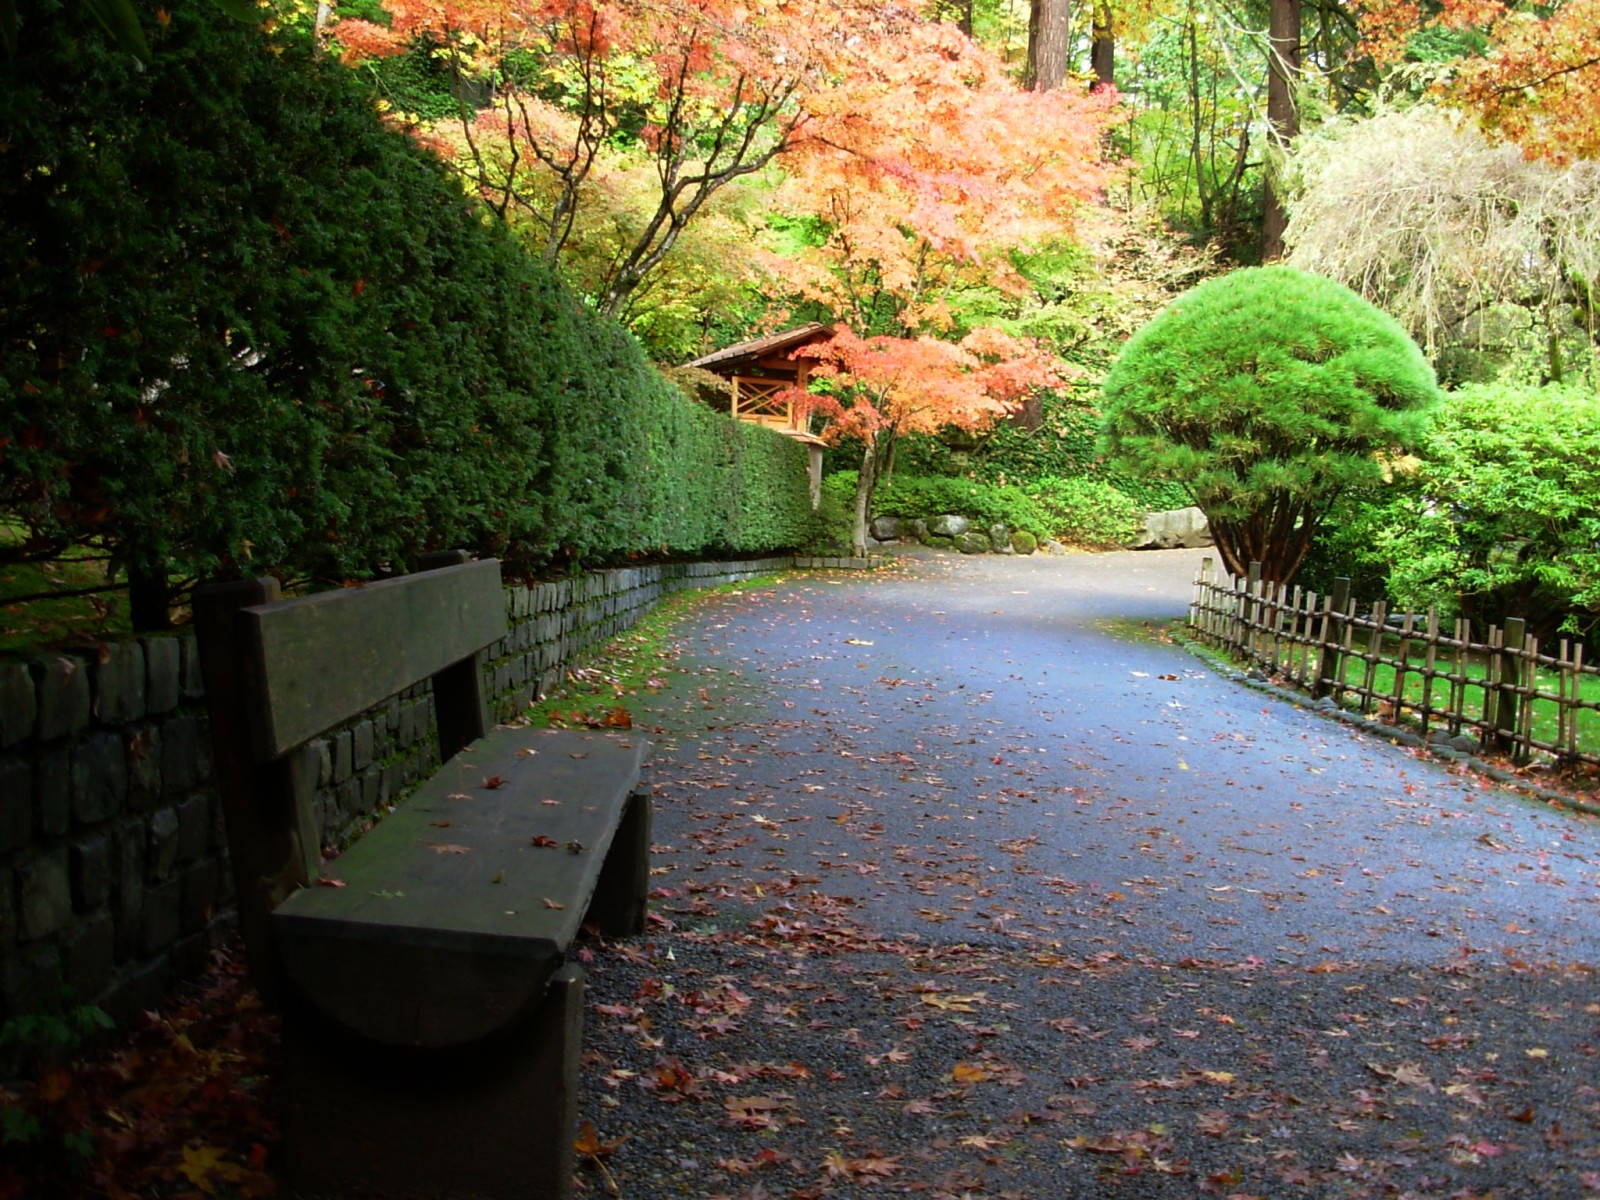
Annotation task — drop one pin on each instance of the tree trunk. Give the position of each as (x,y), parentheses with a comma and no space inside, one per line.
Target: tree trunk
(1103,46)
(1283,72)
(865,482)
(1049,44)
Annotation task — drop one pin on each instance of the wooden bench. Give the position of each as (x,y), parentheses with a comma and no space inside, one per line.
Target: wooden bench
(432,1015)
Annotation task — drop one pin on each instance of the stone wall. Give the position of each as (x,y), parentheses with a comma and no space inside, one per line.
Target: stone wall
(113,865)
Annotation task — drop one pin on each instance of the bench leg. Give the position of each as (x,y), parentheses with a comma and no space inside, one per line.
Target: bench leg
(618,905)
(493,1122)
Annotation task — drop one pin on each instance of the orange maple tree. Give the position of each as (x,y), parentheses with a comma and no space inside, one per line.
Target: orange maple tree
(876,388)
(884,122)
(1538,82)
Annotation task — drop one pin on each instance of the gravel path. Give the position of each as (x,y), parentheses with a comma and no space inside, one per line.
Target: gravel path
(963,890)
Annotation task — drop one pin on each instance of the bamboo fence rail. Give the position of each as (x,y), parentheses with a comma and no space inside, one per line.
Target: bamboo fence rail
(1408,668)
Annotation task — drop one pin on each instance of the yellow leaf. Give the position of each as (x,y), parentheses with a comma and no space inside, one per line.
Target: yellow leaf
(966,1072)
(1538,1052)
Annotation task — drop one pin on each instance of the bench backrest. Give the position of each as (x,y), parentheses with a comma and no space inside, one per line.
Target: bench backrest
(280,672)
(317,661)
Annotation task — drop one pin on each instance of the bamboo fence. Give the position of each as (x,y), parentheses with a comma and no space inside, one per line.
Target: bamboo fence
(1408,668)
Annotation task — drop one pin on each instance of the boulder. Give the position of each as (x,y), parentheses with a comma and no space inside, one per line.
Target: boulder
(1177,528)
(972,542)
(887,529)
(949,526)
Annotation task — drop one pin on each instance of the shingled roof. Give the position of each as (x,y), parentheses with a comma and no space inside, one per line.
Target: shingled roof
(730,358)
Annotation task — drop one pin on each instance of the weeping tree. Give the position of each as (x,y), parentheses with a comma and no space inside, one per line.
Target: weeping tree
(1266,394)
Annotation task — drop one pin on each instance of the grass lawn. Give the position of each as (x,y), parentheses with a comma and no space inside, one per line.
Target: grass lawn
(42,623)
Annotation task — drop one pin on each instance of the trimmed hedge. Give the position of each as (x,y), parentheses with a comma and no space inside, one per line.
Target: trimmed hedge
(247,326)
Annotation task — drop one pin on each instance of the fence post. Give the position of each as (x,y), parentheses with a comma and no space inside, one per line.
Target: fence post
(1330,668)
(1508,706)
(1201,600)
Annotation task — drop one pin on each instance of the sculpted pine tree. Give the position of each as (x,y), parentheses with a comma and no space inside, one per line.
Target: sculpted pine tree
(1266,394)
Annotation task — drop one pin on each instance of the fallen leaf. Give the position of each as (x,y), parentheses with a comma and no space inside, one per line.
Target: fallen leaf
(549,903)
(540,839)
(494,781)
(447,847)
(329,881)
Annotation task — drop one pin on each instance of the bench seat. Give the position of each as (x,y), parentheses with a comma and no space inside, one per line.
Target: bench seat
(445,922)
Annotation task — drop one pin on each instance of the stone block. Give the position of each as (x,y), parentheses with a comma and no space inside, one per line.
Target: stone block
(160,923)
(62,691)
(194,828)
(99,778)
(119,683)
(361,745)
(162,854)
(163,674)
(44,893)
(19,706)
(324,752)
(89,955)
(199,896)
(972,542)
(52,791)
(342,756)
(347,801)
(192,682)
(128,869)
(185,756)
(30,979)
(16,803)
(144,768)
(89,860)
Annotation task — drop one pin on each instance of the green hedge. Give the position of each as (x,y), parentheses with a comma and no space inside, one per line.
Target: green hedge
(246,326)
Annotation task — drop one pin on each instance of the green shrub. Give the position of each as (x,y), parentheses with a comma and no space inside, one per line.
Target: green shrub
(1065,445)
(244,326)
(933,495)
(1087,512)
(1501,517)
(1266,393)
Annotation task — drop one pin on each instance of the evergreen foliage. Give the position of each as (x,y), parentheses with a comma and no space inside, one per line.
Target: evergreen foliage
(1266,394)
(245,326)
(1499,518)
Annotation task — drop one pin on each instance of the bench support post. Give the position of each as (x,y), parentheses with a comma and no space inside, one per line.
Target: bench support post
(495,1121)
(618,905)
(268,809)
